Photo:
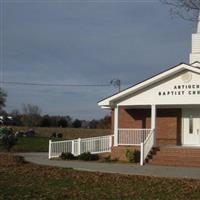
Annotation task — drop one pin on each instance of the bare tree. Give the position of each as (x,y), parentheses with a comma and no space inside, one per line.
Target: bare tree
(31,115)
(3,96)
(186,9)
(29,109)
(15,113)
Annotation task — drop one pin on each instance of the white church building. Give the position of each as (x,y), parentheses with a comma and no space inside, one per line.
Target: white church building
(161,113)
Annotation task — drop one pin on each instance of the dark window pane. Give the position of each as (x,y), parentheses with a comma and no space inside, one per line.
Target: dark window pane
(191,124)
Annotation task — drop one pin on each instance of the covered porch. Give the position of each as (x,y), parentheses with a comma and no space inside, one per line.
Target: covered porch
(132,124)
(172,125)
(126,132)
(140,136)
(156,126)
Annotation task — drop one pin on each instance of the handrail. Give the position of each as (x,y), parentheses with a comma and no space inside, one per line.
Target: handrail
(137,129)
(95,137)
(147,138)
(62,141)
(146,146)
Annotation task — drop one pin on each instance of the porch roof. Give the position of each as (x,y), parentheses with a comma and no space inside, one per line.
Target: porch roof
(110,101)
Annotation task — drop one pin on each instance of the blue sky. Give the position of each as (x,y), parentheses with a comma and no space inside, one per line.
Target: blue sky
(85,42)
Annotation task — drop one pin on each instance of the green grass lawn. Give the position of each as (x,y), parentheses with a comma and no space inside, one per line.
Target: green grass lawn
(30,181)
(30,144)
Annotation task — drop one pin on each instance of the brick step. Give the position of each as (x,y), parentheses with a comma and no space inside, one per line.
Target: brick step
(177,159)
(179,154)
(177,150)
(174,163)
(171,159)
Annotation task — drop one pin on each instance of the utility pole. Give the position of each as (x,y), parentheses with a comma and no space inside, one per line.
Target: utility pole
(116,83)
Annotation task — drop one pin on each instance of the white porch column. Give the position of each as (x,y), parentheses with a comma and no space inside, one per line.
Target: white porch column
(116,125)
(153,121)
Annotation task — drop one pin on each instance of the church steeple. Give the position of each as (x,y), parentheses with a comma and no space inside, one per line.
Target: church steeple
(195,54)
(198,25)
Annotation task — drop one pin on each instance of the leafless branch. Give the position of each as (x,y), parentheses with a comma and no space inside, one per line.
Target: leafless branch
(186,9)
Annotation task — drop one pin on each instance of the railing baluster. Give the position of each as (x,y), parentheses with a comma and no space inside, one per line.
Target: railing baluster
(132,136)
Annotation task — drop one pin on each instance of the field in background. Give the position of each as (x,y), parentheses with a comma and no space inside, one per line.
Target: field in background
(40,142)
(30,181)
(68,133)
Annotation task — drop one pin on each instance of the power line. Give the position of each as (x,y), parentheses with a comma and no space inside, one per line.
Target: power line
(54,84)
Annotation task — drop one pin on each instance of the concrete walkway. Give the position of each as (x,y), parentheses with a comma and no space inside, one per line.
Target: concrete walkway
(146,170)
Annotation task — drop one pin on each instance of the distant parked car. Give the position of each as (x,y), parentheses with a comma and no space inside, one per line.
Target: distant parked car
(29,133)
(7,120)
(19,134)
(57,135)
(53,135)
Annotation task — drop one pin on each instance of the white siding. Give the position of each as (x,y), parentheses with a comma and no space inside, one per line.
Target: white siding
(150,95)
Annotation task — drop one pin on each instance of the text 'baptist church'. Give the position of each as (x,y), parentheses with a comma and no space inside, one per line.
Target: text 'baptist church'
(190,89)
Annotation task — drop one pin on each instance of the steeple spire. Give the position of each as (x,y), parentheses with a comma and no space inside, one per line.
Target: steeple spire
(198,25)
(195,54)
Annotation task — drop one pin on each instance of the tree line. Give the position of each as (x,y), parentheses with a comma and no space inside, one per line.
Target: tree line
(35,119)
(31,116)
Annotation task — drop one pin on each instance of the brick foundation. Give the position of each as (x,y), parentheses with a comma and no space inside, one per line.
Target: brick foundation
(119,152)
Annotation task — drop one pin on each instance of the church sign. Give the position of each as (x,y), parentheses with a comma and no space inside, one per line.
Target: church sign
(181,90)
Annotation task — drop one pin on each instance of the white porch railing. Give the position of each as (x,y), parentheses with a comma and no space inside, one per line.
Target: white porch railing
(146,146)
(93,145)
(140,137)
(128,136)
